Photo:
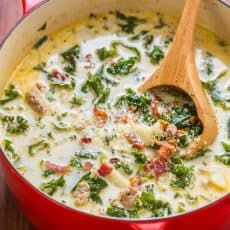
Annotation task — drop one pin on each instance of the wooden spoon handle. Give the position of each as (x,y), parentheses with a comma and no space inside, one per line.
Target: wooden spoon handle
(184,37)
(173,70)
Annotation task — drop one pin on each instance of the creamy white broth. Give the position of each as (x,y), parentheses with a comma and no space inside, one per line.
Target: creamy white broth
(210,178)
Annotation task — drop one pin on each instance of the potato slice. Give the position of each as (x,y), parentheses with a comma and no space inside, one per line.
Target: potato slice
(118,179)
(218,180)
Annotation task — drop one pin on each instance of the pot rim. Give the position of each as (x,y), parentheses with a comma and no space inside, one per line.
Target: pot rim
(68,208)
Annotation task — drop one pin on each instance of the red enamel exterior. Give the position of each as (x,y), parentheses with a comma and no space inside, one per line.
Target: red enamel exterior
(47,214)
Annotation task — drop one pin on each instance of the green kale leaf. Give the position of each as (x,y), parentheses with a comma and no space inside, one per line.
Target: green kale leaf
(8,146)
(70,57)
(129,23)
(180,117)
(95,82)
(148,39)
(86,155)
(103,53)
(139,101)
(216,94)
(61,80)
(183,174)
(156,54)
(41,145)
(10,94)
(126,167)
(157,207)
(76,163)
(139,156)
(51,187)
(95,183)
(76,101)
(224,158)
(14,124)
(123,66)
(228,128)
(138,35)
(226,146)
(40,42)
(116,211)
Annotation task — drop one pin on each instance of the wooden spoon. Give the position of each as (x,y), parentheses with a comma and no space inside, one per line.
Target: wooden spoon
(178,69)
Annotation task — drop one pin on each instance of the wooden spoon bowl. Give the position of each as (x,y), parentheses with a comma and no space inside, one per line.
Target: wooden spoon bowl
(178,69)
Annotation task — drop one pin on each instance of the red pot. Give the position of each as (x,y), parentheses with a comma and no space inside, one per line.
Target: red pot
(46,213)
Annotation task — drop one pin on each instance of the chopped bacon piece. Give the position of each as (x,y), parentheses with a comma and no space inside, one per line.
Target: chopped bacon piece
(87,166)
(88,61)
(56,168)
(101,115)
(159,166)
(114,160)
(136,141)
(59,76)
(164,152)
(171,147)
(154,108)
(86,140)
(148,166)
(105,169)
(166,149)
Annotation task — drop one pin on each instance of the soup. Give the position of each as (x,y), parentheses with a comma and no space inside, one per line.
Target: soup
(74,124)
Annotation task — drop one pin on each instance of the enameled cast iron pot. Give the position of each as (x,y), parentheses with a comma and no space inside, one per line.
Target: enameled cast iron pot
(46,213)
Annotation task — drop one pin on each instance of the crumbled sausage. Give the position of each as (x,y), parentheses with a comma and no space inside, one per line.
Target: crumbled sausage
(36,100)
(81,194)
(128,198)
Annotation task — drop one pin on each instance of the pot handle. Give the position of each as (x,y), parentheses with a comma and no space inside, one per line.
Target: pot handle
(29,4)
